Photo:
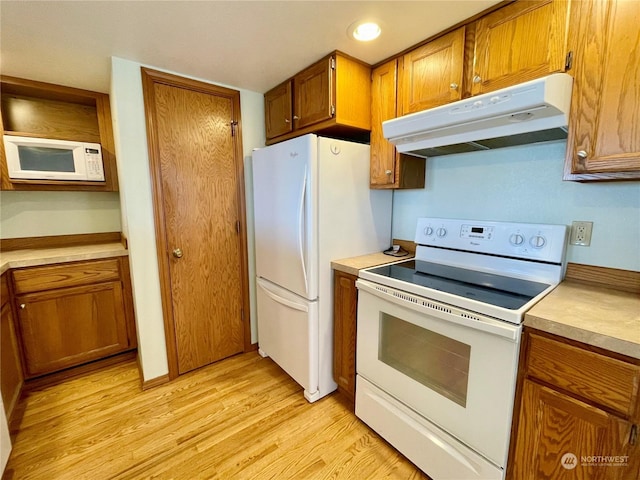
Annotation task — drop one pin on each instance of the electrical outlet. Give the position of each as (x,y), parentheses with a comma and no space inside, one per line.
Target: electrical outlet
(581,233)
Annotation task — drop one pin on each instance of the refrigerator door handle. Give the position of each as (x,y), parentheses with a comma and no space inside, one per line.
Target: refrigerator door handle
(302,226)
(277,298)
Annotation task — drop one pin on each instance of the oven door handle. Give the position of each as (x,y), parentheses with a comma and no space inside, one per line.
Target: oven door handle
(444,312)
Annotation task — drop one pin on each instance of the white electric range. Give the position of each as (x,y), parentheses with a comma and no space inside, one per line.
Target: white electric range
(438,340)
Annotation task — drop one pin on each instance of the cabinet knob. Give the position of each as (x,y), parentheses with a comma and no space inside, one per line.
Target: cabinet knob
(388,172)
(454,86)
(582,154)
(286,120)
(477,79)
(177,253)
(296,117)
(22,305)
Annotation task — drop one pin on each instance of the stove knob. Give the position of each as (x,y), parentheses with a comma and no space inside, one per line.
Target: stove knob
(441,232)
(516,239)
(538,241)
(428,231)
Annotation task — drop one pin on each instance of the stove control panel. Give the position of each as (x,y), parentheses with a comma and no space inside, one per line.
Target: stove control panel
(531,241)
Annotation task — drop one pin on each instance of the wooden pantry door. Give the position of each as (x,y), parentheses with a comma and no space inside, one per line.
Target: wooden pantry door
(195,151)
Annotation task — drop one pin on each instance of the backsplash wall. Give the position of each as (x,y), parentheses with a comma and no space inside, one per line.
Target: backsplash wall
(34,214)
(524,184)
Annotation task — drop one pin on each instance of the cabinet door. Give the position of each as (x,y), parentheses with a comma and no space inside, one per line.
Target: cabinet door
(389,169)
(520,42)
(383,107)
(314,94)
(277,110)
(432,74)
(67,327)
(556,431)
(11,367)
(604,126)
(345,300)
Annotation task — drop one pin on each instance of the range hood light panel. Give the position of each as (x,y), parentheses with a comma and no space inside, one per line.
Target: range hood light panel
(521,117)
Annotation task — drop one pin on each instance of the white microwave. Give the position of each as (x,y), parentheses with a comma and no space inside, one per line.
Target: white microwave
(46,159)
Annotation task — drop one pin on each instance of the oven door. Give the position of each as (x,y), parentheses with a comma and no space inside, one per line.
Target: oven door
(455,368)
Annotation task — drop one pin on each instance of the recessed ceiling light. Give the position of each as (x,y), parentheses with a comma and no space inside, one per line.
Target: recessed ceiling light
(364,31)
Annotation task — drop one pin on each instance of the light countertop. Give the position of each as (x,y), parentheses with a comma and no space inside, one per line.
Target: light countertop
(354,264)
(46,256)
(594,315)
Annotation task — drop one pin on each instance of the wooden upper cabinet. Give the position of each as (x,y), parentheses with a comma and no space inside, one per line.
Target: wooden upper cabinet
(604,124)
(431,75)
(332,96)
(389,169)
(278,110)
(314,94)
(43,110)
(520,42)
(383,107)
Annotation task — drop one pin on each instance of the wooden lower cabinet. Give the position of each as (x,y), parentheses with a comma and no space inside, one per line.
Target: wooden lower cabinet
(578,414)
(345,301)
(11,377)
(71,314)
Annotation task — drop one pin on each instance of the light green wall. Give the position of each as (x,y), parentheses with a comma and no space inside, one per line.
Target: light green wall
(127,108)
(524,184)
(34,214)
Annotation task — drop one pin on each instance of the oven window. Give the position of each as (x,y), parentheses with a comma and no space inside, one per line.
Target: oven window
(436,361)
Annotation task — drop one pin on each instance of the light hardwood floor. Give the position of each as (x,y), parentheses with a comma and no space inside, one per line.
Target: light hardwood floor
(242,418)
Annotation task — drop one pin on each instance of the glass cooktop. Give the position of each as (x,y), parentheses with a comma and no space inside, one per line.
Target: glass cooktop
(498,290)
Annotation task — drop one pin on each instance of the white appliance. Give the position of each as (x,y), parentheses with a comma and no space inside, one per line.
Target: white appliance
(439,336)
(48,159)
(531,112)
(312,205)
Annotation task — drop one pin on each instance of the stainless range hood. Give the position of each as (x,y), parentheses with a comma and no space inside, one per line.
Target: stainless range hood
(531,112)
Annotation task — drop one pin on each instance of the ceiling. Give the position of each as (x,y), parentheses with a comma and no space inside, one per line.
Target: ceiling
(252,45)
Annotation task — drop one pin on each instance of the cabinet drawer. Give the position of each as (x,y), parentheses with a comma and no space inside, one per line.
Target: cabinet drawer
(65,275)
(604,380)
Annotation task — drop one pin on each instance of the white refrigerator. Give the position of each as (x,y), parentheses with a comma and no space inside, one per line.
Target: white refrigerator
(312,205)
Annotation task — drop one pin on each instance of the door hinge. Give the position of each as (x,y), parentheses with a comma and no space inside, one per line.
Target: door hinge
(633,436)
(242,314)
(333,63)
(568,61)
(234,124)
(238,227)
(333,110)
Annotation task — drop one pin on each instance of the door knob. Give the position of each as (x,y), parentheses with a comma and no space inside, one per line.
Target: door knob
(177,253)
(582,154)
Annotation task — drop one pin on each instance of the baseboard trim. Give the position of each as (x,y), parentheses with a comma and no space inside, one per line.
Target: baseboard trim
(155,382)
